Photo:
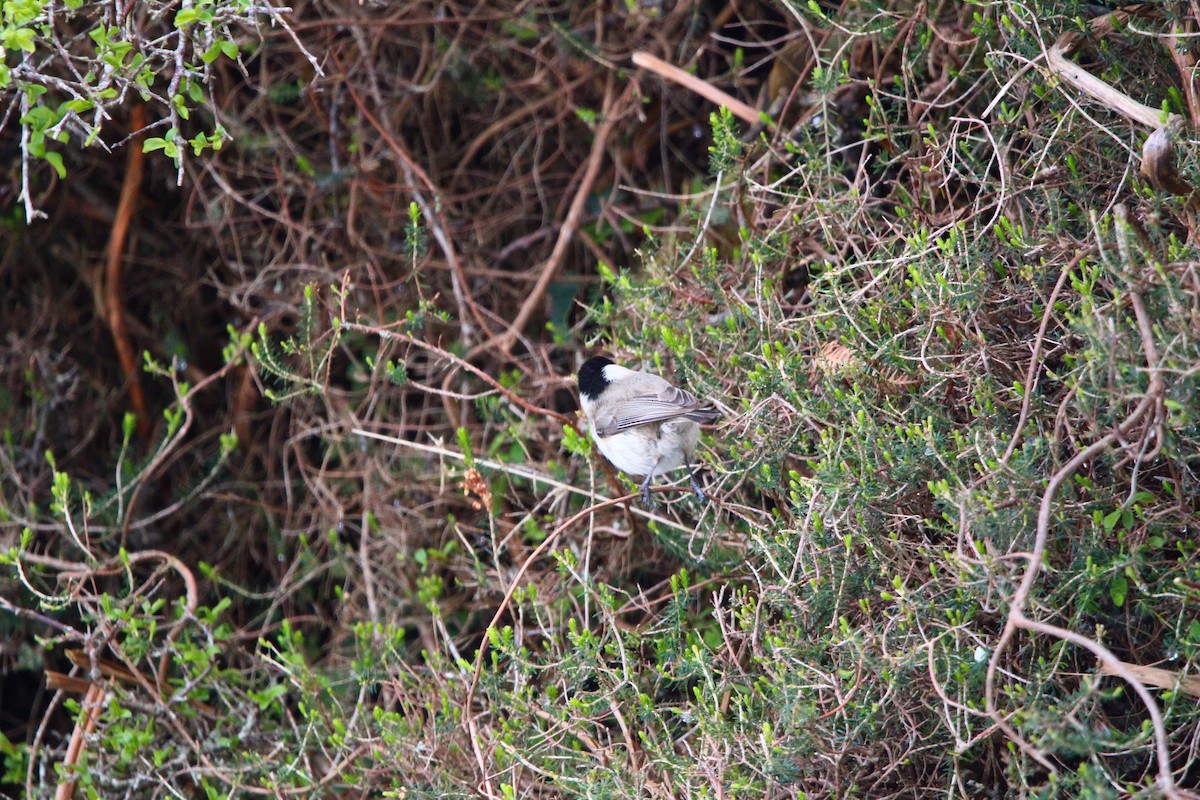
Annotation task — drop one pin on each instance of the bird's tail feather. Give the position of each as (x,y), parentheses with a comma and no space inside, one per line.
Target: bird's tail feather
(704,415)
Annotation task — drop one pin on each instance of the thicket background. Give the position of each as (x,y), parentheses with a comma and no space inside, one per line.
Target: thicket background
(948,300)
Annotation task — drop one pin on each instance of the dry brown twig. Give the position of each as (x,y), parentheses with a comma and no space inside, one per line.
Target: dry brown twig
(1157,165)
(1059,63)
(93,703)
(1167,679)
(566,233)
(469,701)
(1185,61)
(113,295)
(742,111)
(1149,407)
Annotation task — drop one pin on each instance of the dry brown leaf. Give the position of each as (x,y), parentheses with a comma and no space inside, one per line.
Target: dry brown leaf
(833,358)
(1157,164)
(474,484)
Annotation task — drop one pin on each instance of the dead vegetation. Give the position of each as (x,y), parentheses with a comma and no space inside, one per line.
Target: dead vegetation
(938,264)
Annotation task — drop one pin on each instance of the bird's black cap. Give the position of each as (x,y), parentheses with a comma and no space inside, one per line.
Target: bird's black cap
(591,376)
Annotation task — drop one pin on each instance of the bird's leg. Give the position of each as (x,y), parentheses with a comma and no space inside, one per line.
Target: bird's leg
(646,484)
(700,495)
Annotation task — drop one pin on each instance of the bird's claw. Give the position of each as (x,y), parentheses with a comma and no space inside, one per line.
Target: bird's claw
(701,495)
(645,487)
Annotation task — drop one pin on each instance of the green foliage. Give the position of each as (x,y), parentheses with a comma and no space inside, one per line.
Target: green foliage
(913,326)
(311,357)
(875,418)
(726,149)
(68,68)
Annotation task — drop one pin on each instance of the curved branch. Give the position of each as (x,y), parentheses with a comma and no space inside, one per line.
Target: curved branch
(1151,405)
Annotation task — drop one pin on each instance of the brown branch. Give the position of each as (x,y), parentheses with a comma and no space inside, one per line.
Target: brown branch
(92,705)
(566,233)
(1167,679)
(130,191)
(111,671)
(1185,62)
(1060,65)
(116,566)
(1150,404)
(742,111)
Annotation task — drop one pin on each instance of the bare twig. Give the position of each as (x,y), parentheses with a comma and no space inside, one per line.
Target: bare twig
(114,294)
(1018,620)
(741,110)
(1167,679)
(566,233)
(93,703)
(1081,79)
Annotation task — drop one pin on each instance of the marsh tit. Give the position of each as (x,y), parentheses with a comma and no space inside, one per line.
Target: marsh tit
(641,423)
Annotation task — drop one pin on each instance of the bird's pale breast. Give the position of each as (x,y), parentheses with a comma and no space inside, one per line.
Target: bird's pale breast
(637,450)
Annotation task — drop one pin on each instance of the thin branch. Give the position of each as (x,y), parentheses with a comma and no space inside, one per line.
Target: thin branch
(113,294)
(567,232)
(1150,404)
(741,110)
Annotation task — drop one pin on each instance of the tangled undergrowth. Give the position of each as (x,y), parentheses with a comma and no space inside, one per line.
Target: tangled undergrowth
(936,262)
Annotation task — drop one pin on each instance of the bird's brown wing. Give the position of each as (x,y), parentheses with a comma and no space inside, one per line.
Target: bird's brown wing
(668,403)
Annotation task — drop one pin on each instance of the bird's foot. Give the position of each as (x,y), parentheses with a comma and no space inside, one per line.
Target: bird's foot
(700,495)
(646,493)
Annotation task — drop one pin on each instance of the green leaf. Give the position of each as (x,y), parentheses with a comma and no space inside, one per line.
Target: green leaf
(20,38)
(56,160)
(186,16)
(269,695)
(153,143)
(1118,590)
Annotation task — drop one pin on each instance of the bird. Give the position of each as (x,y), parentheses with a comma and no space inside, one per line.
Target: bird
(640,422)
